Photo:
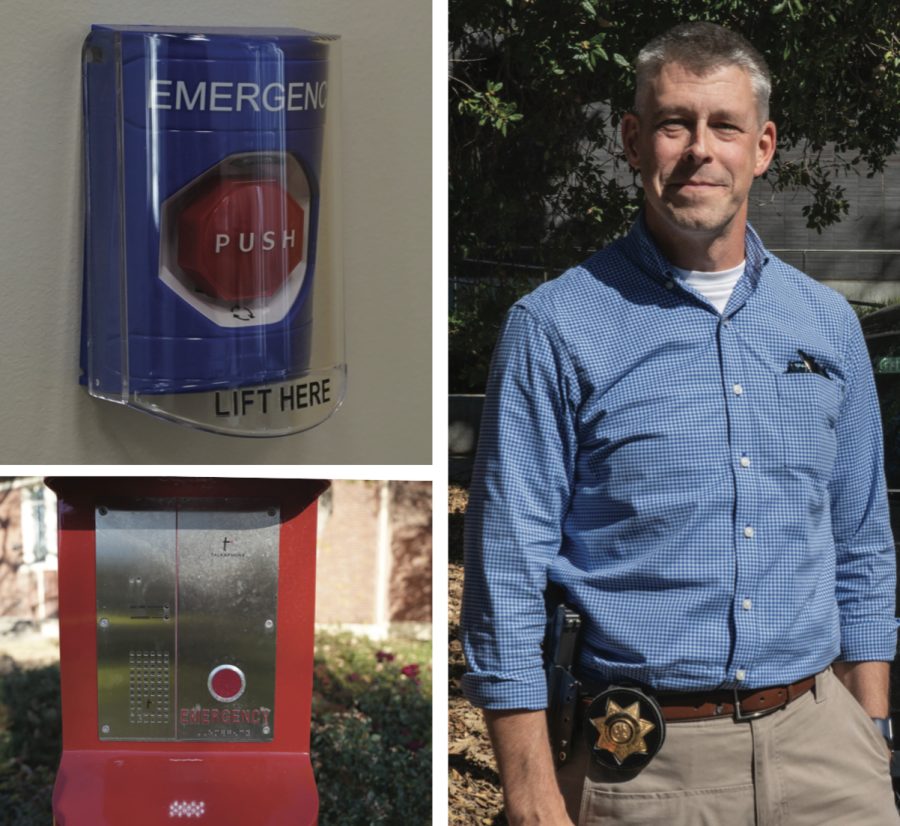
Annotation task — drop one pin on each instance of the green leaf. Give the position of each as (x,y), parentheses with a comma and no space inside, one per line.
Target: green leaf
(621,61)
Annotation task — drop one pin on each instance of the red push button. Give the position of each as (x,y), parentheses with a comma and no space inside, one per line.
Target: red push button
(226,683)
(241,239)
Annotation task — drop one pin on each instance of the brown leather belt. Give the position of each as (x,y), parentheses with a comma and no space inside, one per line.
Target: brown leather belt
(741,705)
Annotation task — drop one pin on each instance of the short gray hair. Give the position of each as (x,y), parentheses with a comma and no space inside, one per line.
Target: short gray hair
(702,48)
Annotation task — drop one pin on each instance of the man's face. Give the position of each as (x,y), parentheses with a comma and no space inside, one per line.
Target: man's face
(698,145)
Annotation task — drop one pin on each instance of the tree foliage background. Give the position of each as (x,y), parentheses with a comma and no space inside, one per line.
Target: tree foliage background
(538,87)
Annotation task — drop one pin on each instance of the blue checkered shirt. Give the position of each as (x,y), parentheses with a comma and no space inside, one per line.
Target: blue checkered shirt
(707,488)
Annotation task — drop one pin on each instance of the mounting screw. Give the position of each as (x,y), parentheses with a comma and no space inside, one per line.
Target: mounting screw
(266,730)
(270,624)
(103,510)
(105,729)
(272,511)
(104,622)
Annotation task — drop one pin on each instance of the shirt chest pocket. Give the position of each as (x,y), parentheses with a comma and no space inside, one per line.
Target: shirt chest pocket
(809,409)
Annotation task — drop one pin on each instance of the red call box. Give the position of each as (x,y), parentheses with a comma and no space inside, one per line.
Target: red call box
(186,651)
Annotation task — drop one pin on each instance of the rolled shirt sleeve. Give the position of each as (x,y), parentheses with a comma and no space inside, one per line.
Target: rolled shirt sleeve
(518,499)
(864,548)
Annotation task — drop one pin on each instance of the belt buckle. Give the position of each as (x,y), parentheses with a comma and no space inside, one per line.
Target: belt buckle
(741,717)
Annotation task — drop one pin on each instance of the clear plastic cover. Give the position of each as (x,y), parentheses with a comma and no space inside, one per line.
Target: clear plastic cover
(212,269)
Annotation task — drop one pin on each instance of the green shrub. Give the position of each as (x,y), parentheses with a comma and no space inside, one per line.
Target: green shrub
(371,731)
(30,743)
(363,779)
(25,794)
(33,720)
(474,326)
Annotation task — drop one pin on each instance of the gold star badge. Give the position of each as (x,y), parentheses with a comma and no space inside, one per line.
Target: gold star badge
(622,730)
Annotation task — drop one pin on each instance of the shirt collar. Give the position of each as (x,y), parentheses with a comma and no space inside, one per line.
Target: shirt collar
(657,265)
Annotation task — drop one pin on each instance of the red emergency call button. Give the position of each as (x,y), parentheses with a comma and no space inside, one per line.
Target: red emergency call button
(241,239)
(226,683)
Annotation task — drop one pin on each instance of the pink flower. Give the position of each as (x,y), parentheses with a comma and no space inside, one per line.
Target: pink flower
(384,656)
(411,671)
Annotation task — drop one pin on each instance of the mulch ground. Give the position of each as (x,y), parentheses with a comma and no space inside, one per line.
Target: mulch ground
(475,796)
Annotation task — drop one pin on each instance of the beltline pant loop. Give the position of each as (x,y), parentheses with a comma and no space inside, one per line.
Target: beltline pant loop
(822,684)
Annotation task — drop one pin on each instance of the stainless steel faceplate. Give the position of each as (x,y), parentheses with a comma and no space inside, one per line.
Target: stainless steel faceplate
(183,595)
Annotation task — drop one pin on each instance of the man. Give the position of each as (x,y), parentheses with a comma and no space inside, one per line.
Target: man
(683,435)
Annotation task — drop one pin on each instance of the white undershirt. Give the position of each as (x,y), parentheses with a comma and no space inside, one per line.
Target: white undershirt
(716,287)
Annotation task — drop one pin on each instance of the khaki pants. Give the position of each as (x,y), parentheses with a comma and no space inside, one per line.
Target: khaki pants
(819,761)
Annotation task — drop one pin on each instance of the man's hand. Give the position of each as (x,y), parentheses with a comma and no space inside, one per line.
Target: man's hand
(522,748)
(868,682)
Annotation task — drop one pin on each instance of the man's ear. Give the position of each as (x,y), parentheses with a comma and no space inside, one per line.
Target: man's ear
(631,127)
(765,148)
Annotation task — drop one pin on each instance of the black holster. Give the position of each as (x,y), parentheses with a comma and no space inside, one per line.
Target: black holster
(563,688)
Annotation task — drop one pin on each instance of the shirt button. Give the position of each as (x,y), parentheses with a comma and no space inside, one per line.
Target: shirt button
(748,532)
(670,285)
(745,461)
(737,389)
(740,675)
(747,604)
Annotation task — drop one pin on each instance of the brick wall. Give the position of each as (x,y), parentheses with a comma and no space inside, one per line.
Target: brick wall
(352,537)
(410,587)
(18,591)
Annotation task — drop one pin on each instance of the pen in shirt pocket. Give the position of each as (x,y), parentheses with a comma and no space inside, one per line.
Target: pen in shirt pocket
(806,364)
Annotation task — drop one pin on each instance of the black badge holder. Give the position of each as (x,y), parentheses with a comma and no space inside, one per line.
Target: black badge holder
(625,728)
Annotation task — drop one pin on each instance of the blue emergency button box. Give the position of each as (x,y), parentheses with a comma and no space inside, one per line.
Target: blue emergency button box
(209,297)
